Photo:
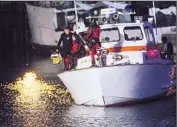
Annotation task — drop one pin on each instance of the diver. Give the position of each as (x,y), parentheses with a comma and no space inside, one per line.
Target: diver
(76,51)
(94,32)
(65,46)
(82,48)
(92,36)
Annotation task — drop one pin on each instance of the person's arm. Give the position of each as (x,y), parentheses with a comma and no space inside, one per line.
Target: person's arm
(60,40)
(170,48)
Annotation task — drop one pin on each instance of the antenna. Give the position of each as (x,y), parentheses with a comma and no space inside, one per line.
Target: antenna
(75,8)
(114,4)
(154,16)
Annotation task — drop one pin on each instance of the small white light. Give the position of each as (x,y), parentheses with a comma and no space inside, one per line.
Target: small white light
(150,19)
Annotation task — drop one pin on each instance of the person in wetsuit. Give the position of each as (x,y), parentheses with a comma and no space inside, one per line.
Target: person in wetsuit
(76,51)
(82,49)
(65,46)
(93,35)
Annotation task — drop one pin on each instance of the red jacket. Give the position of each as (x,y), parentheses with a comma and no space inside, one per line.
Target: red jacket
(93,32)
(75,46)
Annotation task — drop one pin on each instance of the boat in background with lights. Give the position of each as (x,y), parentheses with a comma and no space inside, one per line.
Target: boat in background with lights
(132,69)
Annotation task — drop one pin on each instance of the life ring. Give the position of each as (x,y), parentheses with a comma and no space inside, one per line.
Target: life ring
(104,19)
(115,16)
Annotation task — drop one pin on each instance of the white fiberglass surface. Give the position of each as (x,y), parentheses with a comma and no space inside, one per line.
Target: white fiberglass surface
(137,82)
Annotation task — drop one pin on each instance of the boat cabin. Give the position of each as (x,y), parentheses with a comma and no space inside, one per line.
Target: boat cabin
(127,43)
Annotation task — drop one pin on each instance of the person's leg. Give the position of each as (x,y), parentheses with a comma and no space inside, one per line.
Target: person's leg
(75,63)
(82,51)
(63,54)
(74,58)
(67,63)
(92,54)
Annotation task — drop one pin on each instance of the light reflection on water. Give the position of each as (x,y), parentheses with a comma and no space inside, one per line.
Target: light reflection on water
(36,103)
(34,100)
(34,91)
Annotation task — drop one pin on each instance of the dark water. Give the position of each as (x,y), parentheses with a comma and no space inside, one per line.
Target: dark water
(45,111)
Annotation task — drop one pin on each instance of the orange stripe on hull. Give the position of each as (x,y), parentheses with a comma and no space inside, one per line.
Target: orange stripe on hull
(132,48)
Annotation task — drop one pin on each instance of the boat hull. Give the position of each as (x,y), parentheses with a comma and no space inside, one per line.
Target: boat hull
(117,84)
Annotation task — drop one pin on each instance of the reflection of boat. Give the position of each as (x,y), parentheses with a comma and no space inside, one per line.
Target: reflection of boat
(133,69)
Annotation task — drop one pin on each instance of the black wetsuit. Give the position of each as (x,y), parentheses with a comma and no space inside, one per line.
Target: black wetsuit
(66,47)
(169,48)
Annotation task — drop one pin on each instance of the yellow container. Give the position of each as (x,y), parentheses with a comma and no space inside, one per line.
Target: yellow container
(56,58)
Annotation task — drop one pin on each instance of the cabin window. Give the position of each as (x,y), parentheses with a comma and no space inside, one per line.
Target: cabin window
(149,35)
(60,21)
(133,33)
(109,35)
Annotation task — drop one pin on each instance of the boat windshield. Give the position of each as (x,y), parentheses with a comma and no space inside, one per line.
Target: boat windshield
(109,35)
(133,33)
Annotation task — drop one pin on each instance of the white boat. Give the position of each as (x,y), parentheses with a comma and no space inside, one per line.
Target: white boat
(43,22)
(133,71)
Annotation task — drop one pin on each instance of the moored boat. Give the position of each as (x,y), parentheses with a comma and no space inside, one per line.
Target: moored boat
(133,70)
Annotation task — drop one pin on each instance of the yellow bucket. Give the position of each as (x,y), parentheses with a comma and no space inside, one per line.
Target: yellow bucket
(56,59)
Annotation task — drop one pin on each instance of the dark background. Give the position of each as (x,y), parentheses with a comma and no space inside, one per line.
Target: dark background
(13,38)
